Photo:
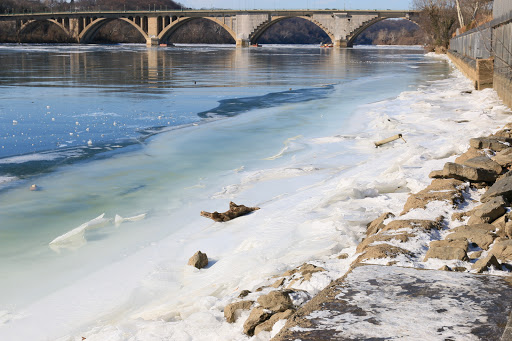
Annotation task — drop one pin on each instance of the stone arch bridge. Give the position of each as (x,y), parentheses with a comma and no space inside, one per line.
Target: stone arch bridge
(246,27)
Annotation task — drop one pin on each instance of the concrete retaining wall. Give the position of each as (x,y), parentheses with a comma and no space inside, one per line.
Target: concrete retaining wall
(501,8)
(488,47)
(480,71)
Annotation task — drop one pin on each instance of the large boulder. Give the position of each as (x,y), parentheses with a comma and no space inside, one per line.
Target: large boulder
(504,133)
(276,301)
(503,250)
(378,224)
(489,211)
(464,173)
(481,234)
(198,260)
(414,224)
(483,264)
(504,158)
(460,244)
(269,324)
(231,309)
(233,212)
(258,315)
(494,143)
(502,187)
(483,162)
(469,154)
(401,237)
(380,251)
(446,253)
(439,190)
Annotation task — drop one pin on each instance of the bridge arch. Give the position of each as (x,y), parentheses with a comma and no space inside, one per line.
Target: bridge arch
(353,36)
(178,22)
(31,23)
(89,32)
(260,30)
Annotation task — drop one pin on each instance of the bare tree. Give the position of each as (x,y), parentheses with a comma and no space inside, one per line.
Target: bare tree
(438,19)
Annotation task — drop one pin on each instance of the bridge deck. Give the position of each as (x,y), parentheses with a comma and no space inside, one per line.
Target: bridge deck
(203,13)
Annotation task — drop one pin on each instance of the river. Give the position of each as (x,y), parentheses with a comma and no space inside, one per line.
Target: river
(161,134)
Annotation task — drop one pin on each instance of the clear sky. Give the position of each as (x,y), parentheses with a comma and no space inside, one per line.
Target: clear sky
(299,4)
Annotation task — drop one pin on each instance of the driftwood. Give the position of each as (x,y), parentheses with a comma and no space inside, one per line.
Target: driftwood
(389,139)
(233,212)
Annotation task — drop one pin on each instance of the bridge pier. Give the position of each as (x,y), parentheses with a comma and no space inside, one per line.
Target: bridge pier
(152,41)
(340,43)
(243,43)
(153,32)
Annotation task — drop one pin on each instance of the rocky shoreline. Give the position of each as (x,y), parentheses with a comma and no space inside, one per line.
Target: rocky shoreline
(470,232)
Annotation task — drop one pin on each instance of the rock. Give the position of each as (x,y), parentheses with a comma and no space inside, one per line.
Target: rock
(469,154)
(402,237)
(484,264)
(446,253)
(493,143)
(488,212)
(381,251)
(269,324)
(425,225)
(276,301)
(502,187)
(481,235)
(439,190)
(233,212)
(506,175)
(307,270)
(376,225)
(480,185)
(461,244)
(257,316)
(484,162)
(436,174)
(504,133)
(230,309)
(465,173)
(508,229)
(501,222)
(460,215)
(343,256)
(445,268)
(198,260)
(504,158)
(244,293)
(459,269)
(503,250)
(278,283)
(475,254)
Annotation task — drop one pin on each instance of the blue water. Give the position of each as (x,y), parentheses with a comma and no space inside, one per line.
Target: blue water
(60,104)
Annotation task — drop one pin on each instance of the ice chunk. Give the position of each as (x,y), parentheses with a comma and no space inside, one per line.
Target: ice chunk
(118,219)
(75,238)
